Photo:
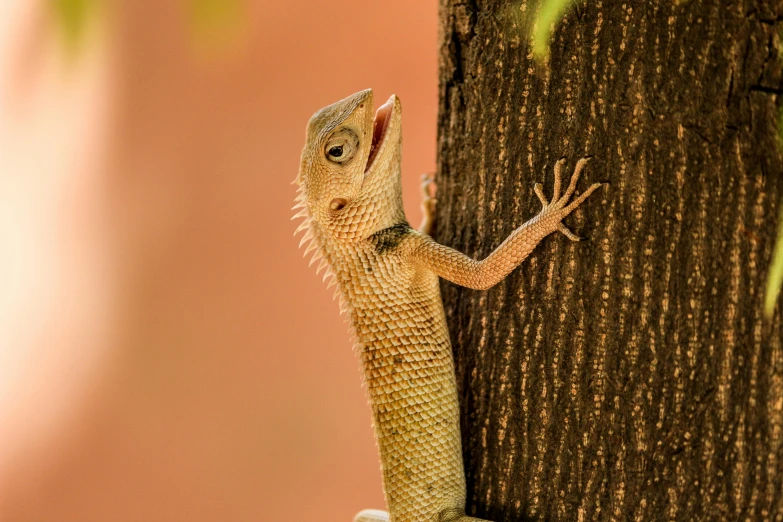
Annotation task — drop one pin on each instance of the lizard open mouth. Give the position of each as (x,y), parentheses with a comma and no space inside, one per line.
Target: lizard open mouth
(381,123)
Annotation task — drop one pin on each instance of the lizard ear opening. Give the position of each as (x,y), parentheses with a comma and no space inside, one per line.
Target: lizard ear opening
(338,204)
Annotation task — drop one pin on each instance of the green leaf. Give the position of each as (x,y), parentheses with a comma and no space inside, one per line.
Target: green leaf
(72,17)
(775,277)
(549,12)
(213,20)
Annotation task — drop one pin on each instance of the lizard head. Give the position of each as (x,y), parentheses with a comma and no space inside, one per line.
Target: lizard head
(349,176)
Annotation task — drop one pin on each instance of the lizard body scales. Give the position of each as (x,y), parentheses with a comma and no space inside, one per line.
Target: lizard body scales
(387,276)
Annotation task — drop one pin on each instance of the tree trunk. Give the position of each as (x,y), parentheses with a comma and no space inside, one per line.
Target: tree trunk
(631,376)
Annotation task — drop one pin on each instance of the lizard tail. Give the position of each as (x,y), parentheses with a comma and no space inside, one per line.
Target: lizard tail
(371,515)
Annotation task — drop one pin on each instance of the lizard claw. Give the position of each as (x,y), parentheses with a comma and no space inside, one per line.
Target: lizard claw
(580,165)
(427,181)
(539,190)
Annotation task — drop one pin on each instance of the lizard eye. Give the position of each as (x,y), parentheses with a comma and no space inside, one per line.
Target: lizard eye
(342,146)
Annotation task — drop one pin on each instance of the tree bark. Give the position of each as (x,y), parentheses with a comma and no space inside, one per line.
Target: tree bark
(631,376)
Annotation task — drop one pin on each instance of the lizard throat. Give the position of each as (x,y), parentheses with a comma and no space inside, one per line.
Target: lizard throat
(380,125)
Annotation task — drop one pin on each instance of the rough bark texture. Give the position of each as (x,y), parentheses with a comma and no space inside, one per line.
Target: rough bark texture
(630,376)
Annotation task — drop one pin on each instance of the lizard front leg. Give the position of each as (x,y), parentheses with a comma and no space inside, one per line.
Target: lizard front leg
(465,271)
(428,202)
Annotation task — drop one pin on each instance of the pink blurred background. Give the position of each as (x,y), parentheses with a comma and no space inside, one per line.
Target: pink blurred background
(166,353)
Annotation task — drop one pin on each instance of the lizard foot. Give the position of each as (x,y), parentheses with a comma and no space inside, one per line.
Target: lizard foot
(371,515)
(428,202)
(558,206)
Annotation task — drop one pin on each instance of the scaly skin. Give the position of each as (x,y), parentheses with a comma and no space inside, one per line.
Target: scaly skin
(387,276)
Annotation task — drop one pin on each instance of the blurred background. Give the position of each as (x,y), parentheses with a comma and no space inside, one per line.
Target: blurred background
(166,353)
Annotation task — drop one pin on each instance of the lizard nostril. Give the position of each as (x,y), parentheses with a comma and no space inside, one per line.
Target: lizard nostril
(337,204)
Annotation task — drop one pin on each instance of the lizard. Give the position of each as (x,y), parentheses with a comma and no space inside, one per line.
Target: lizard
(387,275)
